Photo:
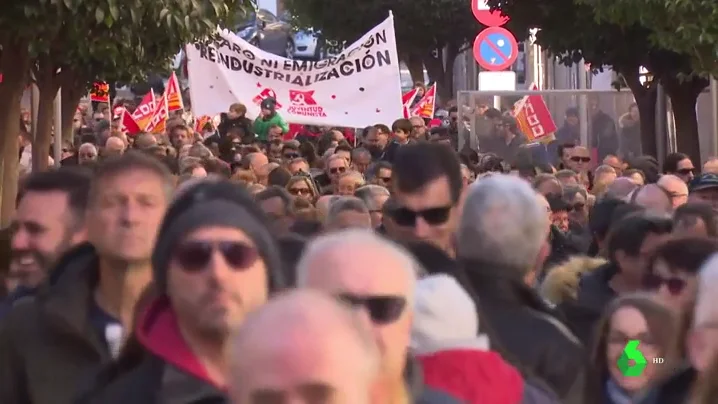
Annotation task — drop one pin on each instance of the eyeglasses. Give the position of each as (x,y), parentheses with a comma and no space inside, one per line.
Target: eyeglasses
(300,191)
(686,171)
(579,159)
(674,284)
(194,256)
(337,170)
(434,216)
(291,156)
(88,155)
(382,309)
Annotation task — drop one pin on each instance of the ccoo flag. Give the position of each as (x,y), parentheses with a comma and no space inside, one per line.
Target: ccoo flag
(534,118)
(158,122)
(174,94)
(425,107)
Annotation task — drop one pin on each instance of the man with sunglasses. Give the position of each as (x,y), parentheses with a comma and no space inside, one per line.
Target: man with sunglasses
(333,353)
(214,262)
(377,278)
(427,186)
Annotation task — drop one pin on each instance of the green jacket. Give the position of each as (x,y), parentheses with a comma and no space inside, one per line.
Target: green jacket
(261,126)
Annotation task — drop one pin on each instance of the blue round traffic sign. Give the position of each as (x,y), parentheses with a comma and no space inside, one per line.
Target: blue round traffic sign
(495,49)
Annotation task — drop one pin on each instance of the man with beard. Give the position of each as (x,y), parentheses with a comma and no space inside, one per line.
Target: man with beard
(48,222)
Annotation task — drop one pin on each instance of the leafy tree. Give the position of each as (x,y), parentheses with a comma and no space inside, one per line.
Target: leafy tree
(69,44)
(696,35)
(427,31)
(572,30)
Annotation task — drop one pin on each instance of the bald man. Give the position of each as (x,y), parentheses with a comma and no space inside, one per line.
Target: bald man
(263,171)
(145,141)
(653,198)
(303,346)
(87,154)
(676,188)
(255,160)
(113,147)
(711,166)
(620,188)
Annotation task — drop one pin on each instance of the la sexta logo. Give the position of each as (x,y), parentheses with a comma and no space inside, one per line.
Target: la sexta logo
(266,93)
(304,104)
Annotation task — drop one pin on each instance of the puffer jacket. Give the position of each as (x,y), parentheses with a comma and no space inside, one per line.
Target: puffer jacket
(561,283)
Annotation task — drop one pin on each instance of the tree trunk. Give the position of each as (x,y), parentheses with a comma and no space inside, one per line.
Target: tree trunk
(684,97)
(646,100)
(451,54)
(47,85)
(416,67)
(71,94)
(14,64)
(435,67)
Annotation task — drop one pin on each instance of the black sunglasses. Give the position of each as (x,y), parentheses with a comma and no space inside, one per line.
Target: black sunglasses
(291,156)
(300,191)
(674,284)
(686,171)
(337,170)
(381,309)
(194,256)
(434,216)
(581,159)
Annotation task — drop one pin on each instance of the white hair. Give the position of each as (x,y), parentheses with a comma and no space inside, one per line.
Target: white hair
(706,308)
(502,223)
(366,240)
(369,193)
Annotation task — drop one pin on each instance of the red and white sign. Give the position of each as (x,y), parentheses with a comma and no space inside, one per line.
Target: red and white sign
(534,118)
(484,15)
(304,104)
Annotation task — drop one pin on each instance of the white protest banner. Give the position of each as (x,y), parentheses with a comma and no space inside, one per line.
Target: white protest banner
(358,88)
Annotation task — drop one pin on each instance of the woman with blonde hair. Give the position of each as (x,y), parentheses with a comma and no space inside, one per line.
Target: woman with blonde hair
(302,186)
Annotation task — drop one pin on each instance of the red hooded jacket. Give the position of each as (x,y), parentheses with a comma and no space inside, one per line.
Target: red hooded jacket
(473,376)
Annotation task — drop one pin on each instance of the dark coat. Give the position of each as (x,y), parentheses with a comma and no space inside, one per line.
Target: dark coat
(48,347)
(524,330)
(594,294)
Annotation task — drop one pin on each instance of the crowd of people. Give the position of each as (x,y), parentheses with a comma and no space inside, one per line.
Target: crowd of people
(239,262)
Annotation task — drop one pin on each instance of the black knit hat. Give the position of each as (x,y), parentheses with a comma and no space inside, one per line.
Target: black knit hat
(269,103)
(215,203)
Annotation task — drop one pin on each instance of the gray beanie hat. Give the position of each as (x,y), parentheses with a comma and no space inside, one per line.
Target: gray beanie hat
(215,204)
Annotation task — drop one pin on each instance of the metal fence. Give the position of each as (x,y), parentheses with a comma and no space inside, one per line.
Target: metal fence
(615,104)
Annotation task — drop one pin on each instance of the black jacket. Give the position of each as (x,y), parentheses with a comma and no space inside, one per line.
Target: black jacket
(155,367)
(48,346)
(674,390)
(524,330)
(594,294)
(225,124)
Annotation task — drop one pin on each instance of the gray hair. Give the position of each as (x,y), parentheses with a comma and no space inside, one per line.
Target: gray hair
(369,193)
(706,310)
(502,223)
(358,238)
(344,204)
(200,151)
(373,170)
(570,191)
(360,151)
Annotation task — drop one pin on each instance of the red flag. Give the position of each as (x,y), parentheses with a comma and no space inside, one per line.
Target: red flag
(174,94)
(143,112)
(425,107)
(158,122)
(129,125)
(534,118)
(407,99)
(100,92)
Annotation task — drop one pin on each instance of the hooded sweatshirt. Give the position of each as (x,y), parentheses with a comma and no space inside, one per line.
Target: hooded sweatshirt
(454,357)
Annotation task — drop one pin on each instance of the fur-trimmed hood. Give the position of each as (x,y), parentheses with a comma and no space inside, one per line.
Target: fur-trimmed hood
(562,281)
